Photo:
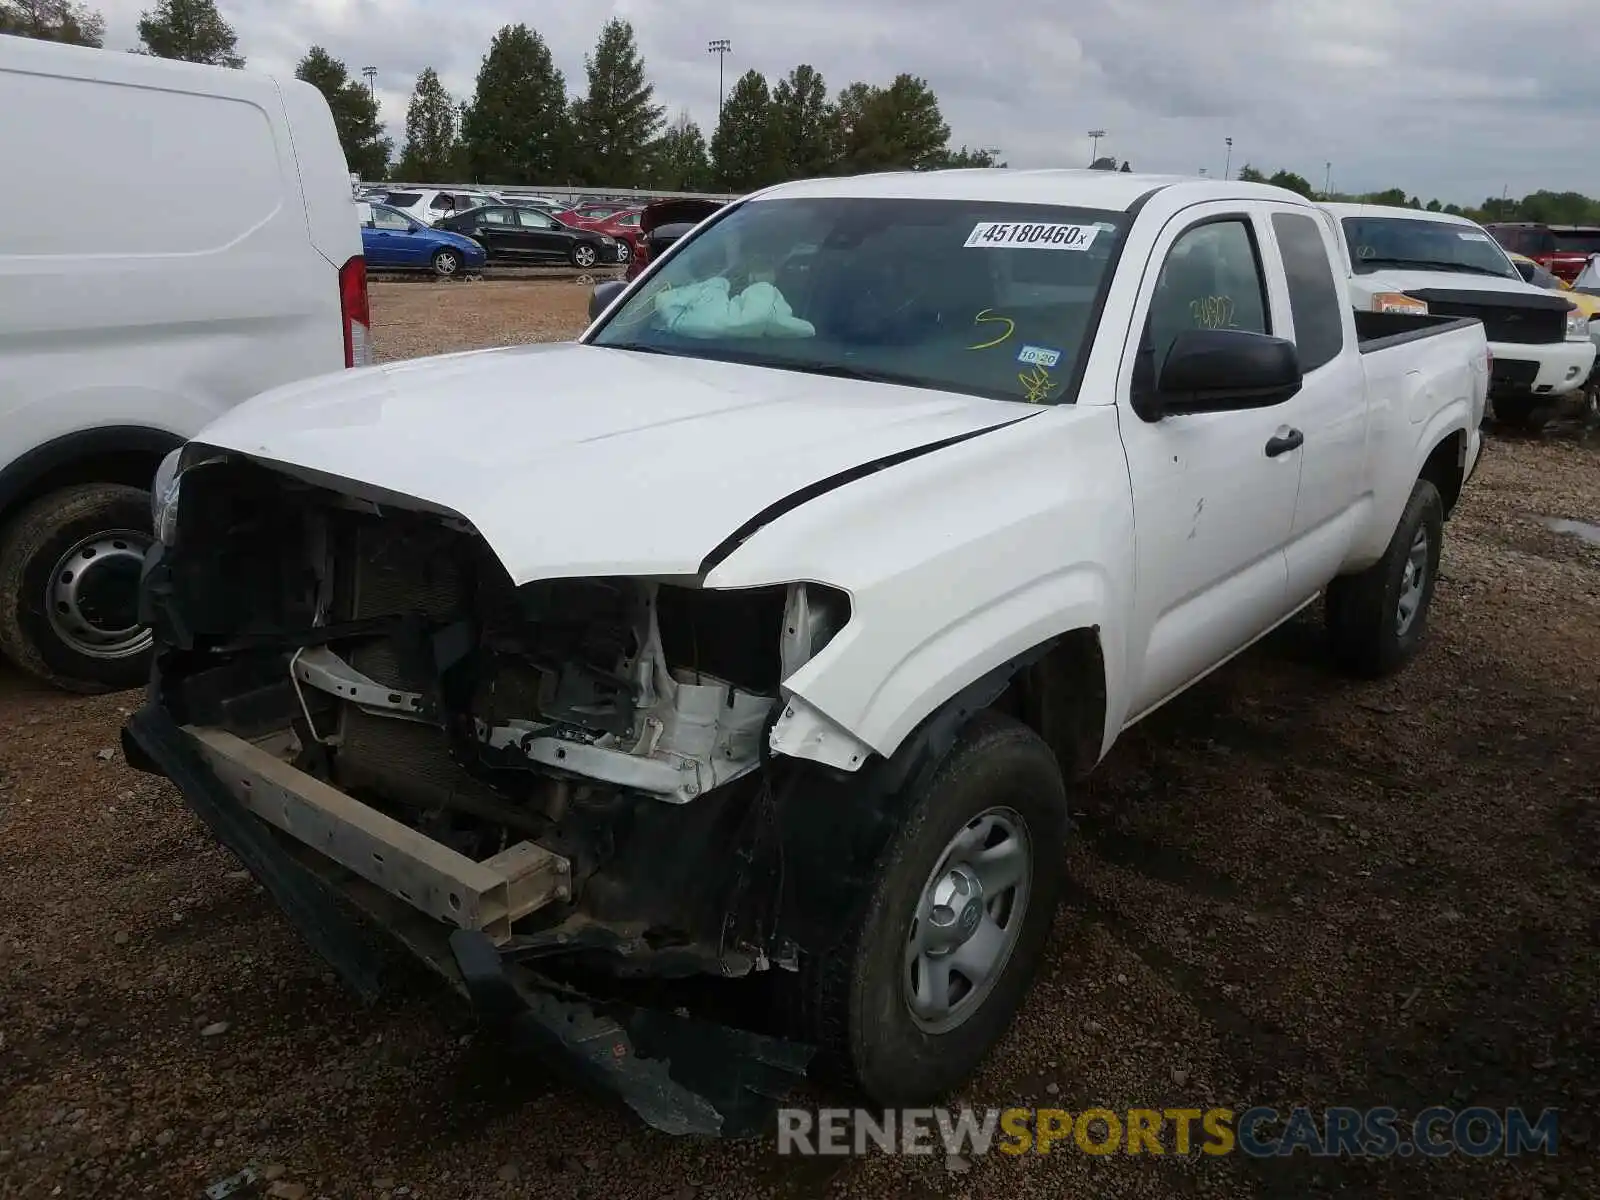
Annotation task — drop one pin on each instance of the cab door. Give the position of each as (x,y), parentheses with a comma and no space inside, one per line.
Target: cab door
(1213,493)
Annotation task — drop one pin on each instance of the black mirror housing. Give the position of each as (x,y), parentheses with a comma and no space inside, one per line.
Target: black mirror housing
(1220,370)
(602,296)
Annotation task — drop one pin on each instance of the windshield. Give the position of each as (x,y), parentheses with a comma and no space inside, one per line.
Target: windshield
(988,299)
(1384,243)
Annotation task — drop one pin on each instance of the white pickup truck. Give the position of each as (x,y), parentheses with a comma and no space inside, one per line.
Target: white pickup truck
(1409,260)
(765,630)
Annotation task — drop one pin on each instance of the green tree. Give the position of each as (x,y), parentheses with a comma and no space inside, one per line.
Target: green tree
(1248,174)
(745,151)
(191,30)
(1293,182)
(1435,206)
(1393,197)
(517,128)
(983,157)
(679,162)
(432,149)
(1125,168)
(355,113)
(1103,164)
(53,21)
(803,123)
(614,125)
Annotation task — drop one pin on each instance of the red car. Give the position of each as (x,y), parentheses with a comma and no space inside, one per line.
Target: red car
(1563,250)
(620,223)
(664,222)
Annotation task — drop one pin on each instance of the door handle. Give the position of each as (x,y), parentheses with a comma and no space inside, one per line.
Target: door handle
(1292,440)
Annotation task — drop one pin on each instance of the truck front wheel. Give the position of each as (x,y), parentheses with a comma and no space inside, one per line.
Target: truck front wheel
(954,927)
(1377,620)
(69,588)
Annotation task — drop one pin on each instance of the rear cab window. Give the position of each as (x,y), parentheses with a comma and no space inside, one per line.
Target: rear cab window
(1314,302)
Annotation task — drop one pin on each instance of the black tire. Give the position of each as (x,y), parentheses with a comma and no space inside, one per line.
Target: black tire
(1363,611)
(32,547)
(446,263)
(856,1008)
(584,256)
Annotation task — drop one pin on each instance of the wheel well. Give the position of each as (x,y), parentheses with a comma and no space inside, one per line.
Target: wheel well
(1446,467)
(1062,698)
(98,456)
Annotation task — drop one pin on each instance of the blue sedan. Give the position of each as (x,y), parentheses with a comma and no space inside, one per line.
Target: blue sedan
(392,241)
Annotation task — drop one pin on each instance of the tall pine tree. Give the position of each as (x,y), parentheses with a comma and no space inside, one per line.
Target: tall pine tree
(431,151)
(678,158)
(803,123)
(191,30)
(516,130)
(745,151)
(616,122)
(355,113)
(53,21)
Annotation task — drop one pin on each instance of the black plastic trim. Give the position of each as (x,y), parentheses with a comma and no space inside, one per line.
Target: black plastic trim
(27,468)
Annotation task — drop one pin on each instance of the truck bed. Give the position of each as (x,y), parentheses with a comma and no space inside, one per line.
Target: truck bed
(1380,330)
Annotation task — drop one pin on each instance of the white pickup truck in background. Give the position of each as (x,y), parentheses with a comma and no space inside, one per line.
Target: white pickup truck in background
(1410,260)
(767,627)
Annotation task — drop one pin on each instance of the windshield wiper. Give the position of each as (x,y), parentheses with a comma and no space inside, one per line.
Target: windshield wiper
(1428,264)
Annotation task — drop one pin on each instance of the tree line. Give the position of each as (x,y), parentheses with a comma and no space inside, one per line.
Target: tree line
(1546,207)
(522,127)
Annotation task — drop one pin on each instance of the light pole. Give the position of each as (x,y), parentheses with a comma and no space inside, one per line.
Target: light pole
(1327,180)
(1094,144)
(721,47)
(372,77)
(1227,165)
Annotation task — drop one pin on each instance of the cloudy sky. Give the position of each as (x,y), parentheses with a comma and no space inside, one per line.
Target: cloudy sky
(1451,98)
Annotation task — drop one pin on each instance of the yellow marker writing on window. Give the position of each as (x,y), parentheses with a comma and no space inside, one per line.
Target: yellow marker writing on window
(988,317)
(1037,385)
(1212,312)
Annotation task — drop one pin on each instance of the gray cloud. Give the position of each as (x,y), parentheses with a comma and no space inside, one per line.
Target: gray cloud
(1438,97)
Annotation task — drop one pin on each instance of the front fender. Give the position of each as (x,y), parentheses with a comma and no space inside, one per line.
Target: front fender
(955,563)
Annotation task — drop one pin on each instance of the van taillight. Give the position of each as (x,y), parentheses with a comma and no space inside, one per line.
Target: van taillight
(355,313)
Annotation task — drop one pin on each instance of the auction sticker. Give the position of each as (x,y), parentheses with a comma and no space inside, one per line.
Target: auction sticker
(1039,356)
(1473,237)
(1031,236)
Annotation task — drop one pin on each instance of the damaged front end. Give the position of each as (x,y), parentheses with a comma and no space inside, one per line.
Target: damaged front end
(558,795)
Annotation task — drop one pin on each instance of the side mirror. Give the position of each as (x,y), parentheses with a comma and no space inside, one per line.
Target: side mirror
(602,296)
(1222,370)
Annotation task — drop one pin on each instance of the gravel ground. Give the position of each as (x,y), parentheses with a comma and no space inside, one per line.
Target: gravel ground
(1286,888)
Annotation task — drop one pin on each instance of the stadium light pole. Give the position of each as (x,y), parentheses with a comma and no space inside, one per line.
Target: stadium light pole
(1094,144)
(721,47)
(372,80)
(1327,180)
(1227,164)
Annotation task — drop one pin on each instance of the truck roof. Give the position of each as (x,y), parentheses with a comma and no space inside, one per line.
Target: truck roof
(1396,210)
(1112,190)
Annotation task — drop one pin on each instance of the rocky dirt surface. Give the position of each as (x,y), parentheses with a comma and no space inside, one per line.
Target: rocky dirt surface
(1285,888)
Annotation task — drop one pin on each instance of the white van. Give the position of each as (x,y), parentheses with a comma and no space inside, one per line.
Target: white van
(195,243)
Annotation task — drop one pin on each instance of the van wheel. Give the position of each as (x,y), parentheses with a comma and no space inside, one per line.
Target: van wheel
(69,588)
(954,926)
(1378,619)
(584,255)
(446,264)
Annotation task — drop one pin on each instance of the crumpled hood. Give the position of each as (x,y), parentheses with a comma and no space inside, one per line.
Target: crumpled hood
(576,460)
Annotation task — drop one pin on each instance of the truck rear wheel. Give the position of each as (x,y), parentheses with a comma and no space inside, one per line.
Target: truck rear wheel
(1378,619)
(954,927)
(69,588)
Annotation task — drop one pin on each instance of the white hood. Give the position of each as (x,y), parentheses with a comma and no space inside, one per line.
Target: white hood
(1373,282)
(575,460)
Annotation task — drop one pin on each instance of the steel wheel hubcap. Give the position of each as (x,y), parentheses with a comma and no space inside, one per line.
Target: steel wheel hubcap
(92,599)
(968,918)
(1412,582)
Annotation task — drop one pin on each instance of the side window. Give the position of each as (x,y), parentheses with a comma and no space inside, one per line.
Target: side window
(1313,295)
(1211,280)
(529,219)
(384,219)
(496,216)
